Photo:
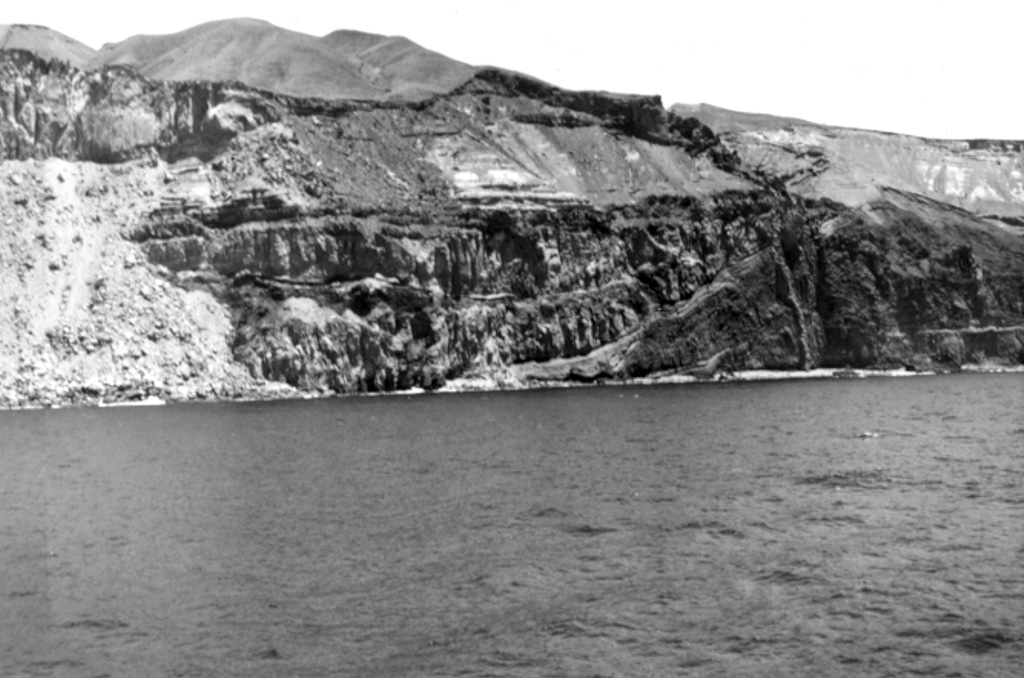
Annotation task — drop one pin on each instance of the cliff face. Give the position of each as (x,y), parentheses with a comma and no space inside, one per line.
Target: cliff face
(908,277)
(196,239)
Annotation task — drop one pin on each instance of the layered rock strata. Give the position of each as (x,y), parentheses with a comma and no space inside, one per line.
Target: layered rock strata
(189,239)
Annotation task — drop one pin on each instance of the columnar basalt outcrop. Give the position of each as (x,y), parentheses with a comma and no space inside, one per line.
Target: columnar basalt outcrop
(196,239)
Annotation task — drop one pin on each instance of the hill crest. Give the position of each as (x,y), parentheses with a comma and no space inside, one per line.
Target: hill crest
(46,43)
(344,64)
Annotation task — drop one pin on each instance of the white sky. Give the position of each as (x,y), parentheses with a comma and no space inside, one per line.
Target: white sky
(935,68)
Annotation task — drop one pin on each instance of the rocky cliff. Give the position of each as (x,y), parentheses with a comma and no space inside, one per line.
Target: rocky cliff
(852,166)
(189,239)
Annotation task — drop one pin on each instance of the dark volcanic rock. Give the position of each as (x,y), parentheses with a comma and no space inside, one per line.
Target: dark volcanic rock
(901,268)
(500,229)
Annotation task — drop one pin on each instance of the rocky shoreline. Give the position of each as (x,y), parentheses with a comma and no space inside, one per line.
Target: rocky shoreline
(143,396)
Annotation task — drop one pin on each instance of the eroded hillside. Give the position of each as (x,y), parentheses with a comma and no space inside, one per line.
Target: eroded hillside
(195,239)
(851,166)
(341,65)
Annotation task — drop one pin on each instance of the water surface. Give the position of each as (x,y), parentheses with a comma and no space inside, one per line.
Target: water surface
(744,529)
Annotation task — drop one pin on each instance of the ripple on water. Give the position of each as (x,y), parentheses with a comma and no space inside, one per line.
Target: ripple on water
(708,531)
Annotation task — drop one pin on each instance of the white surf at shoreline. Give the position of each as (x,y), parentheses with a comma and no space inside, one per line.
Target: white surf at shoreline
(490,384)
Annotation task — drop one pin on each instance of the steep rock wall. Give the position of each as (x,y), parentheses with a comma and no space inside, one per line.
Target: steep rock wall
(50,109)
(507,232)
(905,266)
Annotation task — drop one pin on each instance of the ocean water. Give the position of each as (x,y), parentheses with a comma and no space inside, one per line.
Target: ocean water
(869,527)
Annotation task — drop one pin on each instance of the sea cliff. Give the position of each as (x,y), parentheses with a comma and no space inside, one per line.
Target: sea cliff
(193,239)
